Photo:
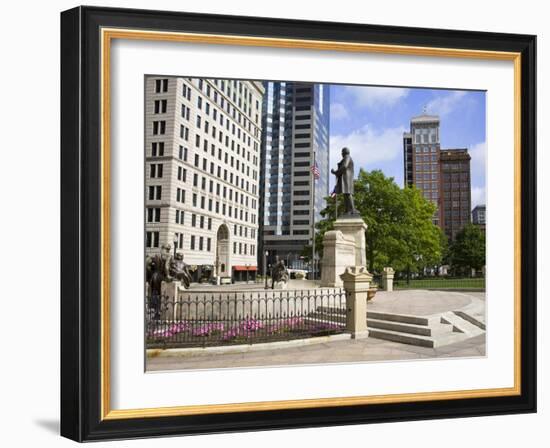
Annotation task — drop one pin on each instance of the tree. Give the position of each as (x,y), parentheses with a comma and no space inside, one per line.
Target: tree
(467,251)
(400,231)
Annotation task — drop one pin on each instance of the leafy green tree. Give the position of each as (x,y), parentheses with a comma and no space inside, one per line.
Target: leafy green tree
(400,230)
(467,251)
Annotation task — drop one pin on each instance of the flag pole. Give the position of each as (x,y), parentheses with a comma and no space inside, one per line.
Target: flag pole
(335,205)
(313,219)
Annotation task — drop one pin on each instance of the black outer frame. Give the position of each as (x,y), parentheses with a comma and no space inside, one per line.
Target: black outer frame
(81,223)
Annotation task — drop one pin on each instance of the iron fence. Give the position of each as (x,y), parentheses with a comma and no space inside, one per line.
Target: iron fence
(202,318)
(440,283)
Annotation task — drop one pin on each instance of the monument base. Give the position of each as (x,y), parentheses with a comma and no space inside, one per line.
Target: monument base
(280,285)
(342,247)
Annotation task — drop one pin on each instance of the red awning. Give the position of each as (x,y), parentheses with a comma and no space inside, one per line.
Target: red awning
(245,268)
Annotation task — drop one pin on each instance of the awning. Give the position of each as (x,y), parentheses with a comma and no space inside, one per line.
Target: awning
(245,268)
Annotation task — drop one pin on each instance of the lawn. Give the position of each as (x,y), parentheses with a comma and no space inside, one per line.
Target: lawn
(441,283)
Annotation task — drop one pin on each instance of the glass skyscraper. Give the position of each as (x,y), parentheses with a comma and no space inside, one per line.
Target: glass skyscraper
(295,131)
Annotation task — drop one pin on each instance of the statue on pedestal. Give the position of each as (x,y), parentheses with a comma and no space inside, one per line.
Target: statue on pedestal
(344,182)
(279,273)
(164,267)
(179,270)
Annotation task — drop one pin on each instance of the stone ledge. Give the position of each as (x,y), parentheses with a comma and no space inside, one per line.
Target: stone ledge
(244,348)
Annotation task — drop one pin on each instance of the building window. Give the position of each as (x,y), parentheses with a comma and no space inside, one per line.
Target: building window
(201,241)
(153,214)
(184,132)
(156,170)
(183,153)
(209,244)
(157,149)
(184,112)
(192,242)
(160,106)
(161,85)
(152,239)
(159,127)
(155,192)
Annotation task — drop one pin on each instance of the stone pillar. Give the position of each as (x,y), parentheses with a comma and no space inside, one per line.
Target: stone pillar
(356,283)
(387,279)
(169,292)
(354,229)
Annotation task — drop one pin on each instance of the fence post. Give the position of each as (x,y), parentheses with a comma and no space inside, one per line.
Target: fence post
(356,283)
(387,279)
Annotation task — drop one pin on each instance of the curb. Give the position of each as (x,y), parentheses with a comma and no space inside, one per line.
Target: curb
(244,348)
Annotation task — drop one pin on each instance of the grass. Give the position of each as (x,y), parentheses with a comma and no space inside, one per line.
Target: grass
(441,283)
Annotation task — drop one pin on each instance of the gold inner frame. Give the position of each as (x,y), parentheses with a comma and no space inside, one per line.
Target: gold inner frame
(107,35)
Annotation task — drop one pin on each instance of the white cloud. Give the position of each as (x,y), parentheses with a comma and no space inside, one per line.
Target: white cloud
(478,153)
(338,111)
(445,104)
(369,147)
(478,196)
(373,97)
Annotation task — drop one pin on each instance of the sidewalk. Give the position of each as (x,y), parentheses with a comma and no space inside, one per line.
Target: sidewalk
(348,351)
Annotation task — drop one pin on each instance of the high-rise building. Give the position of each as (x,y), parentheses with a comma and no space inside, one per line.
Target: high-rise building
(295,125)
(456,190)
(202,153)
(421,149)
(479,216)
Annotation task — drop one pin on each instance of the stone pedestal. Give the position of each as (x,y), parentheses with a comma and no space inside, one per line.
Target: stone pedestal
(387,279)
(357,284)
(169,292)
(280,285)
(342,247)
(354,228)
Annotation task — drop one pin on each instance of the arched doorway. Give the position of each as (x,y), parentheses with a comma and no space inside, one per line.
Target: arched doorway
(223,266)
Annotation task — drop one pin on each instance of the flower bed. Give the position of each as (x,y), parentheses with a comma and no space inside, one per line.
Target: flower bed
(247,331)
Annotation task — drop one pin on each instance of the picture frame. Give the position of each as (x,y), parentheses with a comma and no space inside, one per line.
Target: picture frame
(86,37)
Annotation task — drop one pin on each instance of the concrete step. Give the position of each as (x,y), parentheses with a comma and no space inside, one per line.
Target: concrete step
(422,330)
(403,338)
(403,318)
(472,319)
(460,325)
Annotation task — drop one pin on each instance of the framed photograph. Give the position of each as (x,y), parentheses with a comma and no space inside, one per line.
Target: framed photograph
(274,223)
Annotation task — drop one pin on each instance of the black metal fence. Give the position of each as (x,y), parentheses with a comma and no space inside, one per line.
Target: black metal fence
(439,283)
(202,318)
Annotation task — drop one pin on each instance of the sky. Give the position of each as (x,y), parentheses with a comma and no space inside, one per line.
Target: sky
(370,121)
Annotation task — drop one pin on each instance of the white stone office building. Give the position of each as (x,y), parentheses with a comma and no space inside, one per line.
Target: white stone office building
(202,151)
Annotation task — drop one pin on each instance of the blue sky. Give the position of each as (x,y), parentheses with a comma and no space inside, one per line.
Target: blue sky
(371,121)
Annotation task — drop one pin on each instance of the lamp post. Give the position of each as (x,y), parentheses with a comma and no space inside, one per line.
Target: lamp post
(266,253)
(175,244)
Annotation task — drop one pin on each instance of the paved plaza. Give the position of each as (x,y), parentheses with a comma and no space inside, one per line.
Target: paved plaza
(407,302)
(361,350)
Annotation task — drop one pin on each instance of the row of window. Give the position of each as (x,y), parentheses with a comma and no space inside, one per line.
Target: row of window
(227,175)
(425,149)
(155,194)
(233,161)
(244,248)
(456,185)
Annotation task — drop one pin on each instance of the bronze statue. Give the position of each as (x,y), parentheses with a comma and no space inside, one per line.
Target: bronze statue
(279,273)
(344,182)
(179,270)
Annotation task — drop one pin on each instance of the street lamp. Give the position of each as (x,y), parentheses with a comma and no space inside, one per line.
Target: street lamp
(175,243)
(266,253)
